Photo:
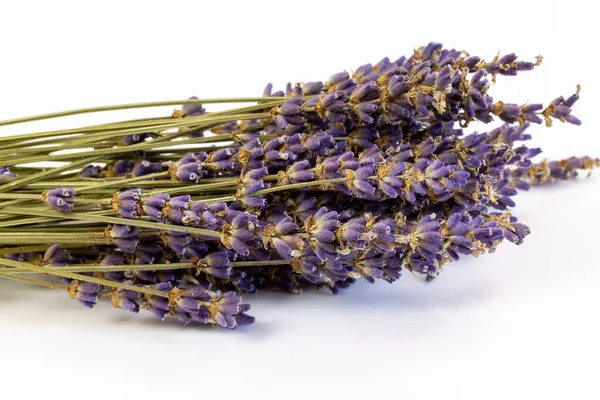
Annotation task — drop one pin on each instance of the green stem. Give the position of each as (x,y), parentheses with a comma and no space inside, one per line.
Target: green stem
(136,147)
(45,174)
(119,182)
(37,282)
(38,248)
(50,241)
(112,220)
(135,105)
(85,268)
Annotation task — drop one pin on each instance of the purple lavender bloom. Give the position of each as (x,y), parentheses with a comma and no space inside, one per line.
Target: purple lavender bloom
(145,167)
(330,107)
(189,172)
(113,259)
(250,183)
(58,198)
(126,204)
(89,171)
(488,234)
(339,82)
(352,234)
(215,264)
(223,160)
(530,113)
(381,235)
(321,228)
(224,307)
(298,172)
(507,112)
(560,109)
(392,266)
(153,205)
(419,264)
(55,256)
(122,167)
(500,193)
(192,110)
(124,236)
(242,281)
(130,140)
(358,181)
(268,91)
(241,318)
(307,266)
(176,241)
(87,293)
(280,235)
(239,234)
(146,252)
(311,88)
(365,73)
(126,299)
(291,111)
(513,230)
(188,302)
(425,237)
(22,257)
(369,265)
(159,305)
(6,174)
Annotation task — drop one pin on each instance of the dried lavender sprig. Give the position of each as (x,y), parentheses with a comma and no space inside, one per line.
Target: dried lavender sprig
(554,171)
(222,307)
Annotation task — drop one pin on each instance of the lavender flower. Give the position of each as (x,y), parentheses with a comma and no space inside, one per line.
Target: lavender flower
(87,293)
(6,174)
(59,198)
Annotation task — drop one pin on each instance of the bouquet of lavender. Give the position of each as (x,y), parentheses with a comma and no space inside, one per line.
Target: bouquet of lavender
(361,176)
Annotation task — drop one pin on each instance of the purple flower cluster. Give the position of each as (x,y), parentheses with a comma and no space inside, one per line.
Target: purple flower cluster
(363,175)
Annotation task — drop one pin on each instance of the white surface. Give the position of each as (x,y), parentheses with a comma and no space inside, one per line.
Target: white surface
(522,323)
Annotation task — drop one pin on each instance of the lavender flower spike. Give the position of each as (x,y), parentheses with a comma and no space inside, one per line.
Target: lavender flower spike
(59,198)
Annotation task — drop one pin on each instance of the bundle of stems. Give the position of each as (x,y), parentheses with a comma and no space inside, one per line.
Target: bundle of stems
(361,176)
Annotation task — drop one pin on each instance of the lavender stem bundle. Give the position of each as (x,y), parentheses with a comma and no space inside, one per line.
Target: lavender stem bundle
(317,186)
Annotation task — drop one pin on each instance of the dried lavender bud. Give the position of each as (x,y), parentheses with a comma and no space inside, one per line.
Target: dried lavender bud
(279,234)
(238,234)
(251,182)
(190,110)
(384,178)
(59,198)
(55,256)
(122,167)
(224,308)
(124,236)
(126,204)
(90,171)
(87,293)
(560,109)
(126,299)
(215,264)
(321,228)
(145,168)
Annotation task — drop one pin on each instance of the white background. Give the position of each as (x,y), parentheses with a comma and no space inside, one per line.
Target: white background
(522,323)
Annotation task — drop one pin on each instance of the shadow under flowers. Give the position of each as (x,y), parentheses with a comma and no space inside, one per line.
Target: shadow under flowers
(460,285)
